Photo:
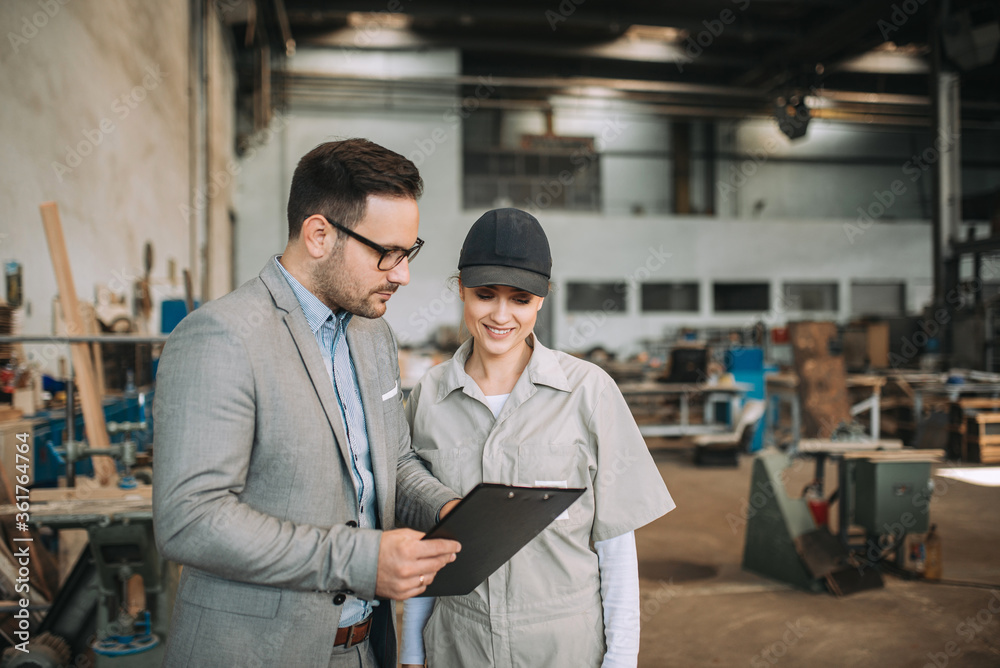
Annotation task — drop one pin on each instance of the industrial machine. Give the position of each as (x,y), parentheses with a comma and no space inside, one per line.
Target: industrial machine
(116,603)
(887,497)
(114,609)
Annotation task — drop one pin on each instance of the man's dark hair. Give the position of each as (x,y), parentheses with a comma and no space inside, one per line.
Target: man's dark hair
(335,179)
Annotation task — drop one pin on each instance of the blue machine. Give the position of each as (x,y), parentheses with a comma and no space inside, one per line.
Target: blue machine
(51,434)
(747,366)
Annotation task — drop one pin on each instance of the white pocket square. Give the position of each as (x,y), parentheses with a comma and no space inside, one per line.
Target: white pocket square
(391,393)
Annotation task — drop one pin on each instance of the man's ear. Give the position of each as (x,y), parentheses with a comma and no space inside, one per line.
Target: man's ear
(317,236)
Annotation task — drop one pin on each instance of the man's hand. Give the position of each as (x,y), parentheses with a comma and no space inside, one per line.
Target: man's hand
(406,564)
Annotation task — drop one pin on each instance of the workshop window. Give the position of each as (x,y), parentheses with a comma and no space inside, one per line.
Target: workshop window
(534,172)
(608,297)
(884,298)
(730,297)
(670,297)
(812,297)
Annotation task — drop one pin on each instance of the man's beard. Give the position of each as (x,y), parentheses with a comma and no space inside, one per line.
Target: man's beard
(335,289)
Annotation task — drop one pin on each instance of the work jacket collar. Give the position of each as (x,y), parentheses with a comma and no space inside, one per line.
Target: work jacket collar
(543,369)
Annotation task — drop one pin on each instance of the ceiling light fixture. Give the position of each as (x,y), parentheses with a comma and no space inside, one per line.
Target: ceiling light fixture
(384,20)
(641,33)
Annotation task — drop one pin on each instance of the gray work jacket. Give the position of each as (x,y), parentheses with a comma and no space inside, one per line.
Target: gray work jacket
(564,424)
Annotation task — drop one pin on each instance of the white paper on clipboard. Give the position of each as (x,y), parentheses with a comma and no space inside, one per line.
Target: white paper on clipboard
(555,483)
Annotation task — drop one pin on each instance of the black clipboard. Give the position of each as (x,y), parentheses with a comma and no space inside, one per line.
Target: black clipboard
(492,523)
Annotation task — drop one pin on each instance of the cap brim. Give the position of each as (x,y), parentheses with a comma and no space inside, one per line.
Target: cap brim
(522,279)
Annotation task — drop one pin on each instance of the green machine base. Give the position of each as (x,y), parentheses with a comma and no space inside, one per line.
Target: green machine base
(774,521)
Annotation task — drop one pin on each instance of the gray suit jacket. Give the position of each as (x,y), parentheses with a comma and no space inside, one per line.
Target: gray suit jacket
(252,486)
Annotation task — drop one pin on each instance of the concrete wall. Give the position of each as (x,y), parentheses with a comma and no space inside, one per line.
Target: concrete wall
(95,117)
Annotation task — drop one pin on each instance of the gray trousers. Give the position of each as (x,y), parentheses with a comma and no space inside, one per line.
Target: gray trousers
(359,656)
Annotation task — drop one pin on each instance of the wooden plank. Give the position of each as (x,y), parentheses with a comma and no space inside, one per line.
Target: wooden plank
(979,403)
(43,570)
(878,344)
(828,446)
(905,386)
(72,542)
(822,378)
(983,440)
(93,414)
(92,492)
(56,509)
(982,454)
(865,380)
(95,350)
(899,456)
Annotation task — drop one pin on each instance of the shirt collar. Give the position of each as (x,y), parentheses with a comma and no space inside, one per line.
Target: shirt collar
(543,369)
(316,312)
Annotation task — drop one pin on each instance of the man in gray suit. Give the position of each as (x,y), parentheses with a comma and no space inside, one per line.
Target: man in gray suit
(283,459)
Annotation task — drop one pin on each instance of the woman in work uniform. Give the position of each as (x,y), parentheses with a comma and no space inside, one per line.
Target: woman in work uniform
(505,409)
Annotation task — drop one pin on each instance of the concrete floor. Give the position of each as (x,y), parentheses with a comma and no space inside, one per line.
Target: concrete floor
(699,608)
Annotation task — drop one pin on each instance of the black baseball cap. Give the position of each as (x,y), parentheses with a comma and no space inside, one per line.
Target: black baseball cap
(507,247)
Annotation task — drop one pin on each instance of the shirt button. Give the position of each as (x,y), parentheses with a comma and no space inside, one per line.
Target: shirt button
(352,524)
(339,599)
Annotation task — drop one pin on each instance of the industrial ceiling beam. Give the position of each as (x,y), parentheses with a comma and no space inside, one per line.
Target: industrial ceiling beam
(843,36)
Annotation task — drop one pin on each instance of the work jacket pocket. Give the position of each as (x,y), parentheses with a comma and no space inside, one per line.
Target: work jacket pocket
(458,468)
(555,465)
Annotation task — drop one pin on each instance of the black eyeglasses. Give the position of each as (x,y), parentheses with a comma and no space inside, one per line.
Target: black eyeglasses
(389,257)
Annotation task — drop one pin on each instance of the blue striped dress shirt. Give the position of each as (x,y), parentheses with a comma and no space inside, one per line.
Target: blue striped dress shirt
(330,330)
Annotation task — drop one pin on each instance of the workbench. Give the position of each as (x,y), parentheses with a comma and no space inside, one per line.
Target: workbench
(846,453)
(952,393)
(650,392)
(785,386)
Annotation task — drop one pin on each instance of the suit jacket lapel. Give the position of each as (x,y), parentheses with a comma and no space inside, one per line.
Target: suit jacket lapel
(366,364)
(305,341)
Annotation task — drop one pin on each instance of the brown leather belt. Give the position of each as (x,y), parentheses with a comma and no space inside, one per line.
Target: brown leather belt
(349,636)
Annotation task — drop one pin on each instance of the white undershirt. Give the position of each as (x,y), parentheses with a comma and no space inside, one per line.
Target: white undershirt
(496,402)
